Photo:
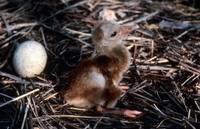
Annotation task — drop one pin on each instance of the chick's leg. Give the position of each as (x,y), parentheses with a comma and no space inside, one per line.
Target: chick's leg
(111,103)
(112,95)
(120,112)
(123,88)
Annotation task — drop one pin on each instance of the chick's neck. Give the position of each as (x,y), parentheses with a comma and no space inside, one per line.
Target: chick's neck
(119,53)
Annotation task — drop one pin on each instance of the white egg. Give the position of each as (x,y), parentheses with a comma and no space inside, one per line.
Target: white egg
(29,59)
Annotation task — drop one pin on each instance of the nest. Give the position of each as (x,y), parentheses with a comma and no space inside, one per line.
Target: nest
(163,78)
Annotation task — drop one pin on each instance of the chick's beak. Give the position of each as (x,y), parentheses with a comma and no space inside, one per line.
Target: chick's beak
(125,30)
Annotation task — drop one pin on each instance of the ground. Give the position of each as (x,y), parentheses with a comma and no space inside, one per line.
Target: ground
(163,78)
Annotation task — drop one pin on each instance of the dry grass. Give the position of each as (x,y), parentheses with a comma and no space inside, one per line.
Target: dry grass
(164,77)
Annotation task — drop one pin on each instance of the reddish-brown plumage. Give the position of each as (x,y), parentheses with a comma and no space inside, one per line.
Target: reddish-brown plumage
(95,81)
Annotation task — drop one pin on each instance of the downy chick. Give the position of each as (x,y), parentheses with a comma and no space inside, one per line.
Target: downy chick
(95,81)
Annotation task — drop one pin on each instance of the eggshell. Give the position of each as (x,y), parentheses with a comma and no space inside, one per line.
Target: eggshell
(29,59)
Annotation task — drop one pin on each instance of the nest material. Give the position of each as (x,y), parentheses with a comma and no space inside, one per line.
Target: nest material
(163,79)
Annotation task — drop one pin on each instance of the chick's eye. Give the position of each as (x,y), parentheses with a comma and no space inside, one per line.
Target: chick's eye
(113,34)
